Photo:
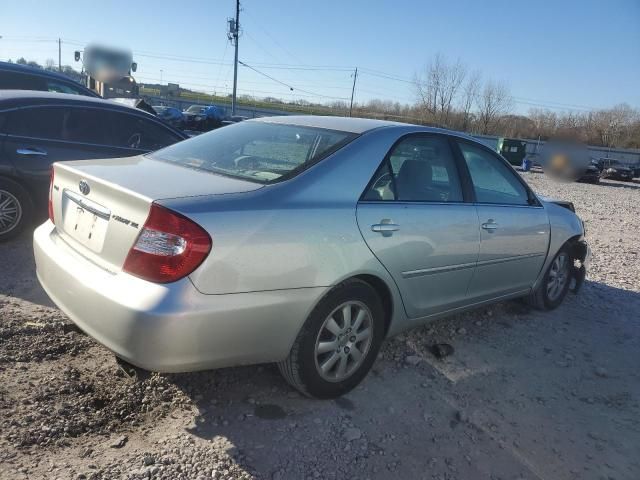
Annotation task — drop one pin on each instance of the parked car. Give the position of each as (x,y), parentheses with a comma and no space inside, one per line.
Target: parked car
(300,240)
(233,119)
(22,77)
(591,174)
(171,115)
(39,128)
(203,118)
(618,171)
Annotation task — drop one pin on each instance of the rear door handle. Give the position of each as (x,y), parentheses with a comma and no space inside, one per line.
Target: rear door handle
(31,151)
(490,225)
(386,227)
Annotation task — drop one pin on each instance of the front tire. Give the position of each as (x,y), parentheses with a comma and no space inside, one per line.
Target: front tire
(338,342)
(555,283)
(16,209)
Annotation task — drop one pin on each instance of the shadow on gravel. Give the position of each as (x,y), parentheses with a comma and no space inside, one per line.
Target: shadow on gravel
(633,185)
(277,432)
(18,272)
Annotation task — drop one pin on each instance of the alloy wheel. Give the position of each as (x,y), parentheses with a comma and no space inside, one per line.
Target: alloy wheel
(558,277)
(10,211)
(343,341)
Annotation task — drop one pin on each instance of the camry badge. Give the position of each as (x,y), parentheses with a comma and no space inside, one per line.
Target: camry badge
(84,187)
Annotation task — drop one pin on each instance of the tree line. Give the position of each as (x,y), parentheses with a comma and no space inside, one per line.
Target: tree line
(449,95)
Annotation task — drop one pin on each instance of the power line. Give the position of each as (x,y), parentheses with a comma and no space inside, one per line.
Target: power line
(289,86)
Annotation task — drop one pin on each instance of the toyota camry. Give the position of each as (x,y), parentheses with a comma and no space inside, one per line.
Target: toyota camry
(304,241)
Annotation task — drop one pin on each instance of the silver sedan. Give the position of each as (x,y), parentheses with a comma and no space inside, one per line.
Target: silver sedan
(300,240)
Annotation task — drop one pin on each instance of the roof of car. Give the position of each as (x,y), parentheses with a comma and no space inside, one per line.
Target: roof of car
(19,96)
(29,70)
(349,124)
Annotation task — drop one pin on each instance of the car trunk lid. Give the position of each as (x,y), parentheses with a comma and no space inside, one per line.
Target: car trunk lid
(100,206)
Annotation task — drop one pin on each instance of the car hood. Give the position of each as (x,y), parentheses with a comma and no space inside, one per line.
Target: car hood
(562,203)
(157,179)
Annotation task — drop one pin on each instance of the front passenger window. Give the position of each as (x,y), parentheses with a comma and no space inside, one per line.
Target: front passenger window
(493,181)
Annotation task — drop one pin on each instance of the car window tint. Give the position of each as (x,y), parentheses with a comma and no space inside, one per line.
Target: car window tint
(493,181)
(86,126)
(20,81)
(424,170)
(53,86)
(132,131)
(41,122)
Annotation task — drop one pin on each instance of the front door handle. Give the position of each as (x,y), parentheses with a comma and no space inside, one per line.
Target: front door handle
(490,226)
(386,227)
(31,151)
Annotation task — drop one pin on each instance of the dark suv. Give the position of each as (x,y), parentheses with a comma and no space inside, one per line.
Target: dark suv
(39,128)
(22,77)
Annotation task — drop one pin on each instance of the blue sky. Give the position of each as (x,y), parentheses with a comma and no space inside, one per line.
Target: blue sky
(554,53)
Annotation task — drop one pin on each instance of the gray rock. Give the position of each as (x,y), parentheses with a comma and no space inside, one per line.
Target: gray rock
(119,442)
(412,360)
(351,434)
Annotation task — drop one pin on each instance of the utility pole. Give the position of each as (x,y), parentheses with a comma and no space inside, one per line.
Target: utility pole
(59,55)
(353,89)
(232,35)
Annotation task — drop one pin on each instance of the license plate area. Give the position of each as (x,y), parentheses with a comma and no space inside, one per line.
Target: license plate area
(84,220)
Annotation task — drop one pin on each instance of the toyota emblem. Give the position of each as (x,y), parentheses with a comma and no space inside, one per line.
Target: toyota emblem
(84,187)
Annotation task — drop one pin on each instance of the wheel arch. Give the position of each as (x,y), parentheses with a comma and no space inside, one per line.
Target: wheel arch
(384,292)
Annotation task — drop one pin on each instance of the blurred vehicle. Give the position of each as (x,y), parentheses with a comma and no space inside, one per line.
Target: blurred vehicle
(300,240)
(39,128)
(234,119)
(617,171)
(171,115)
(513,150)
(591,174)
(22,77)
(203,118)
(138,103)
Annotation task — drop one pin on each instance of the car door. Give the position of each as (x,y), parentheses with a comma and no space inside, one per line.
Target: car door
(415,220)
(514,227)
(39,136)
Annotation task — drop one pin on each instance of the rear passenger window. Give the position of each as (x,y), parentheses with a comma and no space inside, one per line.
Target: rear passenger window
(84,125)
(136,132)
(40,122)
(419,169)
(493,181)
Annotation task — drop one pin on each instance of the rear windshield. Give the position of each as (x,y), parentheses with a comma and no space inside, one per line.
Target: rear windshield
(195,109)
(257,151)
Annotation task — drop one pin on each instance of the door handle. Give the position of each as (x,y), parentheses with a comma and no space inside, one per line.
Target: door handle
(490,226)
(31,151)
(386,227)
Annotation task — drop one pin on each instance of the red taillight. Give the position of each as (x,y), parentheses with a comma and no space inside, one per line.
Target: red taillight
(51,175)
(168,248)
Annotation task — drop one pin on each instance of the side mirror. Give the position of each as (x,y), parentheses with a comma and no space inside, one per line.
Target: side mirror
(134,66)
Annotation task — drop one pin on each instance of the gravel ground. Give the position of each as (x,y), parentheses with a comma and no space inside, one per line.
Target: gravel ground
(525,395)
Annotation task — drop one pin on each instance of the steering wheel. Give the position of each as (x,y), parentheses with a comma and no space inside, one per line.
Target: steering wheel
(134,140)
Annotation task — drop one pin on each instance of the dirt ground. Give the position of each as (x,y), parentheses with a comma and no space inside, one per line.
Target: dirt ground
(525,395)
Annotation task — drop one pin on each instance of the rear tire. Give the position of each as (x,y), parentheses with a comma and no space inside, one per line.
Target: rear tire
(338,342)
(555,283)
(16,209)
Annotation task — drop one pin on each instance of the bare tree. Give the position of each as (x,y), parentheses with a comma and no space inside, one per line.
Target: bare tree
(49,64)
(471,92)
(438,89)
(494,102)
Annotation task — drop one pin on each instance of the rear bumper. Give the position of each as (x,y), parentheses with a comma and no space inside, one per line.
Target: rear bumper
(171,327)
